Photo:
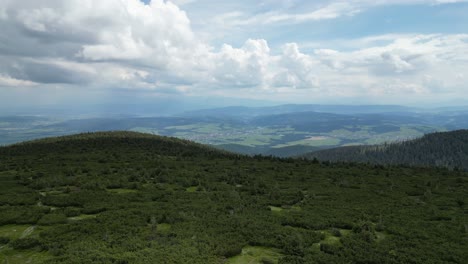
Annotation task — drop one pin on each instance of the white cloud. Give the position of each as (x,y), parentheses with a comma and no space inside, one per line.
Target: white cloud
(125,34)
(150,34)
(8,81)
(183,2)
(3,13)
(297,70)
(449,1)
(311,11)
(330,11)
(242,67)
(130,45)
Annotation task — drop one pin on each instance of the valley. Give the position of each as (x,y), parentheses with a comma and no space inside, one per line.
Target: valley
(280,131)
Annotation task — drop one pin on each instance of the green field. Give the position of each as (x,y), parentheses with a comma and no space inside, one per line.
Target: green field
(15,231)
(256,255)
(249,135)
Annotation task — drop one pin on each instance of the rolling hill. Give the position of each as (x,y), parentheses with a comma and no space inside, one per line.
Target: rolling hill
(443,149)
(242,111)
(125,197)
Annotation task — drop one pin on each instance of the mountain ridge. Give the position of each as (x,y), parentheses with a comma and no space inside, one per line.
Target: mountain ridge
(146,141)
(443,149)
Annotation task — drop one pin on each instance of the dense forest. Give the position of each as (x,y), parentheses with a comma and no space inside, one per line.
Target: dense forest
(122,197)
(442,149)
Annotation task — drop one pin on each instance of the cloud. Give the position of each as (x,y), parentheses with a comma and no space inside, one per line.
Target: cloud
(127,44)
(317,11)
(183,2)
(8,81)
(402,65)
(247,66)
(70,40)
(330,11)
(297,70)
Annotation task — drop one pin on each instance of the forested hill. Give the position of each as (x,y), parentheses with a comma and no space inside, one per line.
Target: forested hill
(98,141)
(124,197)
(443,149)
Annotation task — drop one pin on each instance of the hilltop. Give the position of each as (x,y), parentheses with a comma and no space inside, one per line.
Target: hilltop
(99,141)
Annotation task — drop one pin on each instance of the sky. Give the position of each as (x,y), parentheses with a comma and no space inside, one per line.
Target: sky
(411,52)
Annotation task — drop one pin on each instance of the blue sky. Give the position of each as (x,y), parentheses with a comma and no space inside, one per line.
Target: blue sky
(426,17)
(412,52)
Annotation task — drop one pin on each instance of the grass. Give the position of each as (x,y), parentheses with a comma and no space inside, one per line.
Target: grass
(275,208)
(52,192)
(254,255)
(252,140)
(122,191)
(185,127)
(214,133)
(192,189)
(330,239)
(225,134)
(82,217)
(312,143)
(10,256)
(163,228)
(14,231)
(284,208)
(380,236)
(198,128)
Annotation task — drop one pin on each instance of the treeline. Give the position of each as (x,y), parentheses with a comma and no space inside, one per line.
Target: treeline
(99,141)
(443,149)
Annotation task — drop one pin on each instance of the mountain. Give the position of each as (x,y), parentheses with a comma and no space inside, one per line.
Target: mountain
(444,149)
(242,111)
(262,130)
(125,197)
(99,141)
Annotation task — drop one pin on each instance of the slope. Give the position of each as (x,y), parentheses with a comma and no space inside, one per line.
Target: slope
(444,149)
(120,197)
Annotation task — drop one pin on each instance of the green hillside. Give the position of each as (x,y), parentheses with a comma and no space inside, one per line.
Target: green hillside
(287,151)
(445,149)
(123,197)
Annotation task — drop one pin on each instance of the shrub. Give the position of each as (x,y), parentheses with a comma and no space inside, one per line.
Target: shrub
(52,219)
(70,211)
(335,232)
(4,240)
(229,251)
(267,261)
(291,260)
(329,249)
(25,243)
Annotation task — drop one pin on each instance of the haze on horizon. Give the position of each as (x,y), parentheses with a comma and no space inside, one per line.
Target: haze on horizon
(75,52)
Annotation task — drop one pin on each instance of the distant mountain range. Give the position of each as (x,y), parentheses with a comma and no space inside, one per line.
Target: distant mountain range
(236,111)
(448,149)
(284,130)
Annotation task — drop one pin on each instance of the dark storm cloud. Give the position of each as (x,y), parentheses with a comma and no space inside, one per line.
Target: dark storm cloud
(49,73)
